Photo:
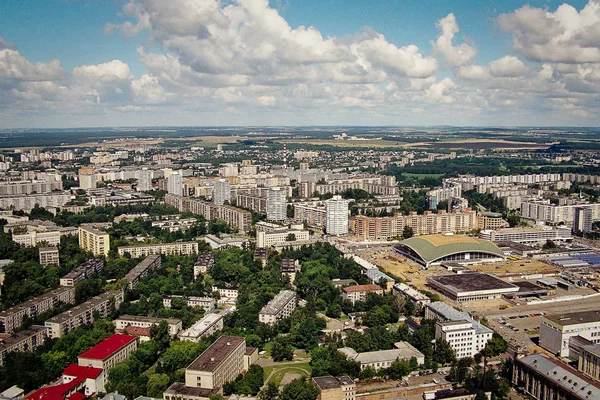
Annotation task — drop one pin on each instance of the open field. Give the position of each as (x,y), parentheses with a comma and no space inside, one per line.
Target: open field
(206,140)
(421,176)
(524,267)
(380,143)
(480,144)
(281,374)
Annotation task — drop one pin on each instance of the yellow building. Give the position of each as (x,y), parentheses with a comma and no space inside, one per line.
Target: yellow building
(335,388)
(94,240)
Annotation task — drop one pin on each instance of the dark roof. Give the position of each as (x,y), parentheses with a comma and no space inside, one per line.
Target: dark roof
(362,288)
(212,357)
(250,350)
(471,282)
(288,265)
(574,318)
(179,388)
(108,347)
(527,286)
(331,382)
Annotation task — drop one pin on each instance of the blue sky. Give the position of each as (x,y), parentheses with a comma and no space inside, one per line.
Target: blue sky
(383,69)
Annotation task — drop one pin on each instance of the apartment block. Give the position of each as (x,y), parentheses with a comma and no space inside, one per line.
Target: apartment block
(254,203)
(209,324)
(280,307)
(83,314)
(26,340)
(313,213)
(142,269)
(94,240)
(204,263)
(124,321)
(543,210)
(207,303)
(82,271)
(336,216)
(109,352)
(50,238)
(29,187)
(49,256)
(28,202)
(360,292)
(236,217)
(12,318)
(181,248)
(222,362)
(268,239)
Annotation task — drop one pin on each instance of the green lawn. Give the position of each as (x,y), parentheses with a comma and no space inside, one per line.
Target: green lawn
(421,176)
(279,371)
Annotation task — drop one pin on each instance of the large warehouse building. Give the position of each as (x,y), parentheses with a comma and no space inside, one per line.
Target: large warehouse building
(471,286)
(436,249)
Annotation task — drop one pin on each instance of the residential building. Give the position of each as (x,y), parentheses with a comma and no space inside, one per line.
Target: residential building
(124,321)
(544,211)
(384,228)
(280,307)
(444,194)
(12,318)
(557,329)
(28,202)
(409,293)
(204,263)
(268,239)
(226,292)
(94,240)
(335,388)
(181,248)
(225,241)
(492,220)
(142,269)
(360,292)
(209,324)
(175,184)
(25,340)
(207,303)
(222,362)
(109,352)
(82,271)
(221,192)
(544,378)
(384,358)
(49,256)
(288,269)
(95,378)
(582,219)
(83,314)
(34,238)
(276,204)
(145,180)
(236,217)
(336,216)
(530,236)
(312,213)
(29,187)
(466,335)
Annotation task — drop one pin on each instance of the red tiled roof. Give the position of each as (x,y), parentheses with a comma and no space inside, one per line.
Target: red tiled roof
(362,288)
(137,331)
(107,347)
(56,392)
(83,372)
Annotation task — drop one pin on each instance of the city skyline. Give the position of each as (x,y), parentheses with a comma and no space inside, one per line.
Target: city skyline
(205,62)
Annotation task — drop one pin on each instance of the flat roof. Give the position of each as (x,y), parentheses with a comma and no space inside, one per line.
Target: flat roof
(525,286)
(17,337)
(212,357)
(332,382)
(107,347)
(83,307)
(181,390)
(278,302)
(362,288)
(143,318)
(574,318)
(472,282)
(31,302)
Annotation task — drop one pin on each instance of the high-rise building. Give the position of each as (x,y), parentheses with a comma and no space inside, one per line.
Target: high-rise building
(336,216)
(276,204)
(94,240)
(175,184)
(145,180)
(582,219)
(222,192)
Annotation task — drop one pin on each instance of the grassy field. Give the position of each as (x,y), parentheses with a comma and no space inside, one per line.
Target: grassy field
(276,373)
(347,143)
(421,176)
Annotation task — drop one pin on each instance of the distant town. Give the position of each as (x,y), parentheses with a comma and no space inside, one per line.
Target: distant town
(300,263)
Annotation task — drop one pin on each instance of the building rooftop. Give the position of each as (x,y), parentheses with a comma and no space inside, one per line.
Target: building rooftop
(179,389)
(362,288)
(12,392)
(56,392)
(278,302)
(143,318)
(137,331)
(450,313)
(405,352)
(574,318)
(141,267)
(31,302)
(563,376)
(107,347)
(83,307)
(82,372)
(332,382)
(288,265)
(7,340)
(433,247)
(202,325)
(212,357)
(472,282)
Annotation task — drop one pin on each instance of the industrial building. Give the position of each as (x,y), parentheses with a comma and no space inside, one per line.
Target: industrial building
(471,286)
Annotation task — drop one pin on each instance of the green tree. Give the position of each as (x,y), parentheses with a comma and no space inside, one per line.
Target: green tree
(281,349)
(407,232)
(399,369)
(290,237)
(299,389)
(157,384)
(269,392)
(160,334)
(443,352)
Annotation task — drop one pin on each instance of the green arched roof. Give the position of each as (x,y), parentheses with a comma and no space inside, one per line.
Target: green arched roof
(434,247)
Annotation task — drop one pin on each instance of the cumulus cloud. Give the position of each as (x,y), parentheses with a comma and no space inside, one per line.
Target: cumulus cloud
(507,66)
(14,66)
(455,56)
(112,71)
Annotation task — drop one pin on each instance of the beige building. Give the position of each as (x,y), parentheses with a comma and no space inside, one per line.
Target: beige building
(335,388)
(268,239)
(209,324)
(222,362)
(124,321)
(280,307)
(384,358)
(180,248)
(83,314)
(589,361)
(26,340)
(109,352)
(49,256)
(359,292)
(94,240)
(33,238)
(12,318)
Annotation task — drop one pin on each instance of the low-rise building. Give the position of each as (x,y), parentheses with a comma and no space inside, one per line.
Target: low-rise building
(141,270)
(204,263)
(83,314)
(49,256)
(12,318)
(268,239)
(33,238)
(227,293)
(288,269)
(207,303)
(531,236)
(335,388)
(384,358)
(124,321)
(95,378)
(180,248)
(409,293)
(209,324)
(280,307)
(25,340)
(109,352)
(360,292)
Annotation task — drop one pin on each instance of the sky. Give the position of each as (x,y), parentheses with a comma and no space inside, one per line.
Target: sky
(97,63)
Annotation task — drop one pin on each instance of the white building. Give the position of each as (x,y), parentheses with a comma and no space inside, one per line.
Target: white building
(145,180)
(556,330)
(221,192)
(268,239)
(384,358)
(276,204)
(543,210)
(207,303)
(209,324)
(336,216)
(147,322)
(527,235)
(175,183)
(582,219)
(280,307)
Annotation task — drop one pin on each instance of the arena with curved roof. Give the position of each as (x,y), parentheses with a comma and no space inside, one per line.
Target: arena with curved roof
(431,250)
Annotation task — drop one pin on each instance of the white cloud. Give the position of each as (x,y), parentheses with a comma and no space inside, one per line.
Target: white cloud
(455,56)
(112,71)
(14,66)
(508,66)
